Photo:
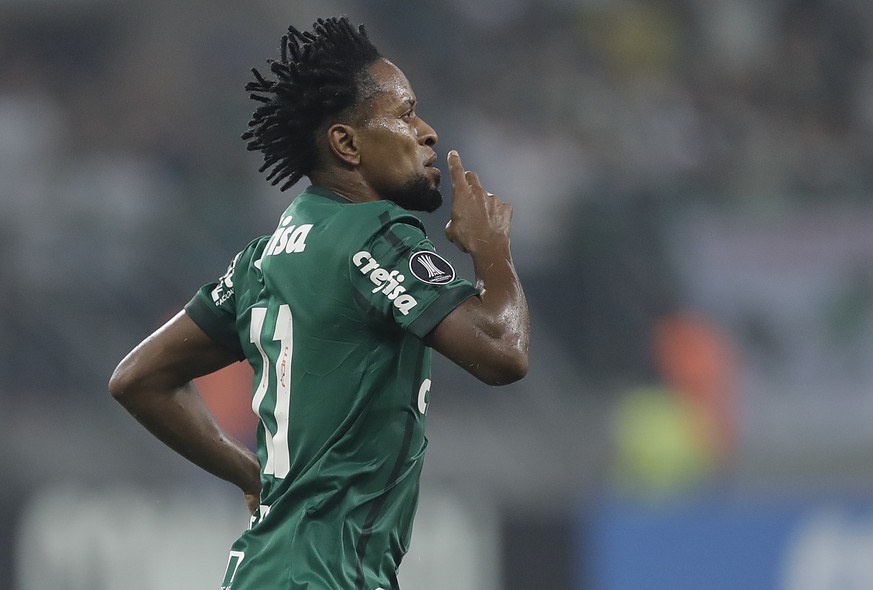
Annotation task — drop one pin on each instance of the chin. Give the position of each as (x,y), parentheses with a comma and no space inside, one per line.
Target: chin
(420,194)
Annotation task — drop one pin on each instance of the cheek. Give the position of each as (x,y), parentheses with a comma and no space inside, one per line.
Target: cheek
(383,170)
(395,137)
(392,156)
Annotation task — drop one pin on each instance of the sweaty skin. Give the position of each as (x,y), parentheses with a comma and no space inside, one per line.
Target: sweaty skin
(488,335)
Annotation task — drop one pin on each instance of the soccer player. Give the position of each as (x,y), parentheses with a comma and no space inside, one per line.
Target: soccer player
(337,312)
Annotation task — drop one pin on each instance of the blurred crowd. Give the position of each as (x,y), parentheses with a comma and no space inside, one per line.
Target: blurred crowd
(123,172)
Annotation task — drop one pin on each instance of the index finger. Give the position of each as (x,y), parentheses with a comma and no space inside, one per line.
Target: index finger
(456,169)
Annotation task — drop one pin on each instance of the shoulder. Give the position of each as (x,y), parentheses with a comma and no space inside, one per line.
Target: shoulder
(255,247)
(394,224)
(361,225)
(391,214)
(250,255)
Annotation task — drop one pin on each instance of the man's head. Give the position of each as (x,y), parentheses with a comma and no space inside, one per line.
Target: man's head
(337,110)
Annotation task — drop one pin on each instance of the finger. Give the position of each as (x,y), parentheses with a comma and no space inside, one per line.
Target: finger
(456,169)
(472,179)
(450,235)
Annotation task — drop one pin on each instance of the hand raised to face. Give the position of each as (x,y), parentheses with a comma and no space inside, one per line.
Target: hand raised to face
(478,217)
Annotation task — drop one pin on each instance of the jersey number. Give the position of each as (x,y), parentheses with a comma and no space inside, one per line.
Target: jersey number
(233,562)
(276,364)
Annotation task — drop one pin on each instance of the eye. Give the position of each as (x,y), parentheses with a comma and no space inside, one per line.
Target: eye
(410,114)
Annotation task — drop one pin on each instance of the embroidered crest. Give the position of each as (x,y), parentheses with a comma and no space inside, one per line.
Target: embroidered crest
(429,267)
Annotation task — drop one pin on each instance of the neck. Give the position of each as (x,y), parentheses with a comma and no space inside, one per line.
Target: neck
(347,185)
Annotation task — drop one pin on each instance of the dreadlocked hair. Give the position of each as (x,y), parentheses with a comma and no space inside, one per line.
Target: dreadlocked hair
(319,74)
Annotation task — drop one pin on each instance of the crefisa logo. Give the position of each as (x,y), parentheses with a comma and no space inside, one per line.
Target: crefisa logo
(429,267)
(387,282)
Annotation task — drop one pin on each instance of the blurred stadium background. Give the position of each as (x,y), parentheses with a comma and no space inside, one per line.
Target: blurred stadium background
(693,188)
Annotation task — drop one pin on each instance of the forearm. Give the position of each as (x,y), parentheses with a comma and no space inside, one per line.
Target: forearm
(489,335)
(154,382)
(180,419)
(504,313)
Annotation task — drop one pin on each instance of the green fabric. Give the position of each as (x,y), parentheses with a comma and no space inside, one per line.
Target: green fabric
(330,315)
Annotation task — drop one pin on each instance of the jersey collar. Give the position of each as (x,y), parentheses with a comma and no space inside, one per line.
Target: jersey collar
(327,193)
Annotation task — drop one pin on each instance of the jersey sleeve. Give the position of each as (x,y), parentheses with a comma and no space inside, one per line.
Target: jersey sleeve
(397,274)
(213,309)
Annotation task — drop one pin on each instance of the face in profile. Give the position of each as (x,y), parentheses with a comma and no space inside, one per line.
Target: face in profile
(397,155)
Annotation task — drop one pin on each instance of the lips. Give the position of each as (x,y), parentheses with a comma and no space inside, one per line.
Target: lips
(433,170)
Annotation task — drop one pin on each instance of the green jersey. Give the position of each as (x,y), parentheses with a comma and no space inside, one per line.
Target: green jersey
(330,311)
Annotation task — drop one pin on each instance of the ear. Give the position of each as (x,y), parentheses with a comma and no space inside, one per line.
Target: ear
(343,142)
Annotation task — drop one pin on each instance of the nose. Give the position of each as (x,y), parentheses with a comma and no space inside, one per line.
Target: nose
(426,133)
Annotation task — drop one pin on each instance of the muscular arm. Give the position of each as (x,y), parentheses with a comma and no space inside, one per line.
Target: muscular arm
(154,384)
(487,335)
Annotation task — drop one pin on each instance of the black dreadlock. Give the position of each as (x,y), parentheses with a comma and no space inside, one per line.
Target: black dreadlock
(319,74)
